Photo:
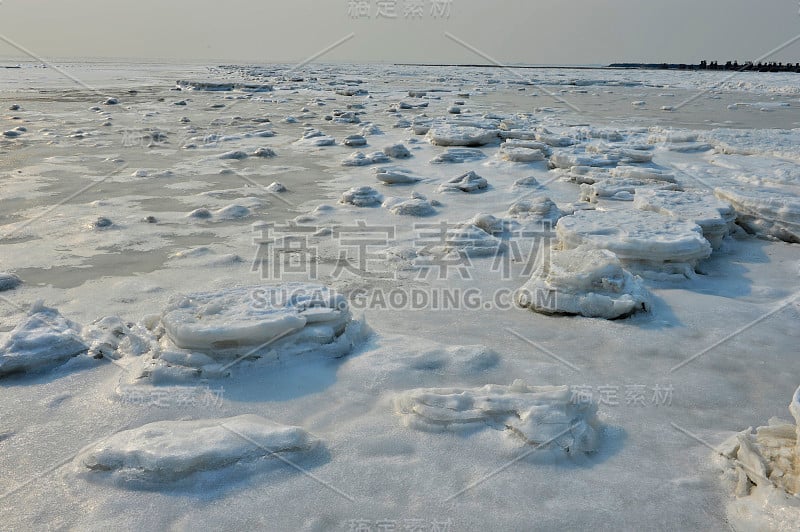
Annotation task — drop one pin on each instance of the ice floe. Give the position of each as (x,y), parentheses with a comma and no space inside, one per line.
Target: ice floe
(395,176)
(469,182)
(459,155)
(44,338)
(584,281)
(715,217)
(157,454)
(362,159)
(417,205)
(647,243)
(362,197)
(767,211)
(450,135)
(543,416)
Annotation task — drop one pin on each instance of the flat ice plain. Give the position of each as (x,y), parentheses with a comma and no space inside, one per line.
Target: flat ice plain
(432,298)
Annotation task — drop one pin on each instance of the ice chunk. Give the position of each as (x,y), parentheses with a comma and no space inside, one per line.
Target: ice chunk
(397,151)
(362,197)
(417,205)
(169,451)
(644,241)
(395,176)
(766,211)
(264,153)
(544,416)
(45,338)
(355,141)
(450,135)
(361,159)
(459,155)
(469,182)
(9,281)
(467,239)
(244,317)
(539,207)
(233,212)
(715,217)
(235,155)
(763,472)
(583,281)
(619,188)
(315,138)
(520,154)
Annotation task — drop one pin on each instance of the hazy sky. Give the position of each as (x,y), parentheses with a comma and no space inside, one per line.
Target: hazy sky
(522,31)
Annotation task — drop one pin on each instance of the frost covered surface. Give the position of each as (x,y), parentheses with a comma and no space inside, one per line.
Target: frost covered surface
(642,240)
(762,468)
(114,257)
(586,282)
(167,451)
(544,416)
(43,339)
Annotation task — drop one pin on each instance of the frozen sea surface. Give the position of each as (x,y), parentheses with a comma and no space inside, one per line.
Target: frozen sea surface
(142,226)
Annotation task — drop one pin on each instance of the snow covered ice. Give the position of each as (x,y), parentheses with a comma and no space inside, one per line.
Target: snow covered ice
(587,282)
(540,416)
(762,469)
(645,242)
(44,338)
(168,451)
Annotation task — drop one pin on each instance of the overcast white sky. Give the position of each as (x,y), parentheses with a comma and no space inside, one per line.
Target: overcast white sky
(514,31)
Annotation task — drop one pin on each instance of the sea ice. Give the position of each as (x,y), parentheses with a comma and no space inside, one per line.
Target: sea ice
(362,197)
(355,141)
(762,469)
(646,242)
(469,182)
(361,159)
(450,135)
(584,281)
(390,176)
(169,451)
(45,338)
(9,281)
(543,416)
(538,208)
(715,217)
(459,155)
(417,205)
(767,211)
(397,151)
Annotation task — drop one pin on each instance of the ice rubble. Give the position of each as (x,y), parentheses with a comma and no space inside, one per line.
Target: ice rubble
(762,468)
(471,240)
(586,282)
(469,182)
(397,151)
(766,211)
(169,451)
(9,281)
(45,338)
(451,135)
(362,159)
(537,208)
(199,335)
(390,176)
(362,197)
(544,416)
(459,155)
(715,217)
(647,243)
(417,205)
(315,138)
(621,189)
